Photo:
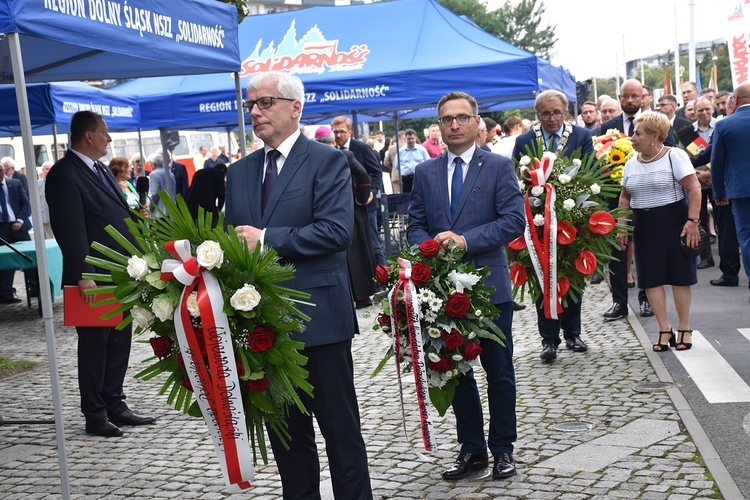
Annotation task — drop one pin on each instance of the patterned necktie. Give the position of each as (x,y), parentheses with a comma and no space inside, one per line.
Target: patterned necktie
(456,184)
(631,127)
(3,204)
(271,174)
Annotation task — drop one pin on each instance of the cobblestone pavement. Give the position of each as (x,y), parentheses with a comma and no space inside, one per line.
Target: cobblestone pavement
(635,445)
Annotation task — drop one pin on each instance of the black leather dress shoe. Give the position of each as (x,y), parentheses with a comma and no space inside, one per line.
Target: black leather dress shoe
(465,464)
(102,427)
(361,304)
(504,466)
(617,311)
(723,282)
(518,307)
(9,299)
(646,311)
(549,352)
(575,344)
(706,263)
(128,417)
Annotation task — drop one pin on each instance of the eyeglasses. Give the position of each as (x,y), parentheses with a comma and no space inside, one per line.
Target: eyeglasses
(263,102)
(547,115)
(447,121)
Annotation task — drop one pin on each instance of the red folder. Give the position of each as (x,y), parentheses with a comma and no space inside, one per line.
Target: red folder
(78,312)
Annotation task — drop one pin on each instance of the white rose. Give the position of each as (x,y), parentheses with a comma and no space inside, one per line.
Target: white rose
(538,220)
(457,357)
(192,305)
(595,188)
(472,336)
(137,268)
(525,160)
(433,357)
(563,178)
(569,204)
(245,299)
(537,190)
(142,317)
(162,308)
(209,254)
(522,185)
(577,162)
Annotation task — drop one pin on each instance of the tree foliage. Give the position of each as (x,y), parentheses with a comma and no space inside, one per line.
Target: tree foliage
(240,6)
(519,24)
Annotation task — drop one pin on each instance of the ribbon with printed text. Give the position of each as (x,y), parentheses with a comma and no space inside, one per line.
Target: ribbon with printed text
(213,373)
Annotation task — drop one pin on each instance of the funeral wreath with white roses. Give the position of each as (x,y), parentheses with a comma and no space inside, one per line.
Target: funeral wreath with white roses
(218,319)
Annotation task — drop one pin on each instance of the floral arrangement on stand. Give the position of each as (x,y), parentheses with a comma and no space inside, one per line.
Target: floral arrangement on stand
(613,150)
(569,228)
(436,310)
(219,321)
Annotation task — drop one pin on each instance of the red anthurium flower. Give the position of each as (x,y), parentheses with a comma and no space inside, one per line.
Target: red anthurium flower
(563,285)
(586,262)
(518,274)
(566,232)
(518,244)
(601,222)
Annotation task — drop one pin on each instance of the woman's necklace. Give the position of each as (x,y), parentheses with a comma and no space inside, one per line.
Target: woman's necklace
(643,160)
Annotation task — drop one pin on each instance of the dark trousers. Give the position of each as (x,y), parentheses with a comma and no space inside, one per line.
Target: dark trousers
(618,277)
(569,320)
(335,408)
(7,277)
(103,355)
(372,217)
(729,254)
(407,181)
(497,362)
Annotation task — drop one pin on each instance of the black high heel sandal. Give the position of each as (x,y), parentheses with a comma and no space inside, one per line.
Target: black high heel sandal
(681,345)
(670,342)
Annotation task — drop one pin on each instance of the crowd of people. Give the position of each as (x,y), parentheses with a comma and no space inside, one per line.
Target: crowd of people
(687,159)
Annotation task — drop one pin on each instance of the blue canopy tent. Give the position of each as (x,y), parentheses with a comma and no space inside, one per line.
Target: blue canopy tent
(349,63)
(45,40)
(53,105)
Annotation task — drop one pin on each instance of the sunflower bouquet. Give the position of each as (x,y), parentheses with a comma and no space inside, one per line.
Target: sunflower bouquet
(613,150)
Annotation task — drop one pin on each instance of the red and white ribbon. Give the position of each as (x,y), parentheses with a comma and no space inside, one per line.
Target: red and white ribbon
(214,379)
(414,336)
(543,252)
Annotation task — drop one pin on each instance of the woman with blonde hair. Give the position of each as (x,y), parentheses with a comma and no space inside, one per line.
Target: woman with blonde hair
(654,186)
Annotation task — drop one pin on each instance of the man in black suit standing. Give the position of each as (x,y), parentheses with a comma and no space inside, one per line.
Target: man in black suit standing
(208,190)
(295,196)
(14,226)
(689,93)
(84,198)
(342,134)
(9,167)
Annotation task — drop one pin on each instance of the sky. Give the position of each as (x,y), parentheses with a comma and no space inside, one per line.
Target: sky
(590,32)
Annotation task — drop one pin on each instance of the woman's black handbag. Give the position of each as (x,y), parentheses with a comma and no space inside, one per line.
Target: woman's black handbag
(695,252)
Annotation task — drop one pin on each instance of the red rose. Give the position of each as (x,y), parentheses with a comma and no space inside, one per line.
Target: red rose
(381,274)
(471,350)
(518,274)
(518,244)
(458,305)
(585,262)
(452,339)
(259,385)
(261,338)
(441,366)
(162,346)
(566,232)
(420,273)
(601,222)
(429,249)
(563,285)
(185,382)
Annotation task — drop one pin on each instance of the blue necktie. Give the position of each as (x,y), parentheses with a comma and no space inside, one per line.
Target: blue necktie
(456,184)
(3,204)
(552,142)
(272,173)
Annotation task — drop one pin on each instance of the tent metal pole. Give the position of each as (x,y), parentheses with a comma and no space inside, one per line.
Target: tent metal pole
(166,160)
(41,256)
(56,152)
(240,116)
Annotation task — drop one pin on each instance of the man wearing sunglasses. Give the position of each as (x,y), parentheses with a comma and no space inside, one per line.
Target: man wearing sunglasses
(295,196)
